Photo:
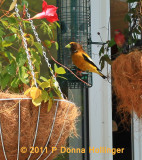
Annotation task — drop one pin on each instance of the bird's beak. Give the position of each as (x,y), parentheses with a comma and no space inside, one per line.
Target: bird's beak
(68,46)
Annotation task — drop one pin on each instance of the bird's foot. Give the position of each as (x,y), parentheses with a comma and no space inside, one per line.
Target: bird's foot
(79,73)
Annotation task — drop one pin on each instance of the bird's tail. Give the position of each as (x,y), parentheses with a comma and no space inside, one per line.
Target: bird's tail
(99,72)
(103,76)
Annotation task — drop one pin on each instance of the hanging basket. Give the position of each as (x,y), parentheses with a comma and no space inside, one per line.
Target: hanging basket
(127,83)
(22,124)
(28,132)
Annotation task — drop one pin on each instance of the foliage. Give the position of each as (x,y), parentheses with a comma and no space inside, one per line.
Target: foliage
(132,34)
(15,73)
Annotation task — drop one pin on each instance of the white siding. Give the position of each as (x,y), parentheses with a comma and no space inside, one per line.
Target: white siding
(100,108)
(137,138)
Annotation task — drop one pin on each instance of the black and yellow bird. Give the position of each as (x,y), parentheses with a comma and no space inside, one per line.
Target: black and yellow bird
(82,60)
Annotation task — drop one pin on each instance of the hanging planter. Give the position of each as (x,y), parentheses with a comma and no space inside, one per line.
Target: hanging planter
(127,83)
(54,127)
(33,124)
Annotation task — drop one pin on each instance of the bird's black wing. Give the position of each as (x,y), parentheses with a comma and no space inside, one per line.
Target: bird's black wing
(88,59)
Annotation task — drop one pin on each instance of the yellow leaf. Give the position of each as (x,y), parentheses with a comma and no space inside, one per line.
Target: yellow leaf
(60,70)
(38,82)
(37,101)
(12,5)
(35,93)
(50,102)
(45,84)
(27,92)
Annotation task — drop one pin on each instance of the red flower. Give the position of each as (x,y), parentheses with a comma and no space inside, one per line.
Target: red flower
(48,12)
(119,38)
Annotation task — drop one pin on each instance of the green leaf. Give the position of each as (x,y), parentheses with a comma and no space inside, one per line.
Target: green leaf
(24,2)
(56,45)
(50,102)
(58,92)
(0,67)
(38,82)
(104,59)
(55,66)
(48,43)
(50,34)
(59,70)
(127,18)
(35,57)
(2,32)
(12,5)
(39,47)
(10,38)
(45,96)
(11,69)
(102,64)
(111,43)
(23,74)
(44,79)
(21,59)
(12,20)
(107,59)
(31,39)
(5,81)
(5,23)
(58,25)
(50,95)
(15,82)
(13,29)
(10,56)
(44,85)
(46,29)
(101,50)
(62,77)
(6,44)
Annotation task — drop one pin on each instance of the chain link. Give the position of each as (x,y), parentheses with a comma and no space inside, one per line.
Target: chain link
(44,53)
(26,47)
(27,52)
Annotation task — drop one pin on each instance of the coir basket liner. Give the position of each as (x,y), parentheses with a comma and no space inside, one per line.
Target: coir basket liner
(29,113)
(127,83)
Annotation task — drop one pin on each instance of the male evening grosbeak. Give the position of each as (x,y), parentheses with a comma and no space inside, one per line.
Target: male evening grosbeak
(82,60)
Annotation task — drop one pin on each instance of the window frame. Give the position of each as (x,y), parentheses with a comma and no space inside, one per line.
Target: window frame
(100,96)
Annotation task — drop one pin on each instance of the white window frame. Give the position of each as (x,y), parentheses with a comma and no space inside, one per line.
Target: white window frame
(137,138)
(100,96)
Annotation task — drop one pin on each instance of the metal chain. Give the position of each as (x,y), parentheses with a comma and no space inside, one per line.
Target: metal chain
(26,48)
(44,53)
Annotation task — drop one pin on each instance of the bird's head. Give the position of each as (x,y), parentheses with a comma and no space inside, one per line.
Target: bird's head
(117,31)
(74,46)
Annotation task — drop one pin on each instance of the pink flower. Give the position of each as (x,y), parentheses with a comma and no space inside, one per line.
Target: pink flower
(48,12)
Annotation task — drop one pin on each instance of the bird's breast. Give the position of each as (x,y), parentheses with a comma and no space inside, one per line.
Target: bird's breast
(78,61)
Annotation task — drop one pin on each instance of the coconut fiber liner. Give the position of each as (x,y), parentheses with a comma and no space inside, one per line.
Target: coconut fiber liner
(29,114)
(127,84)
